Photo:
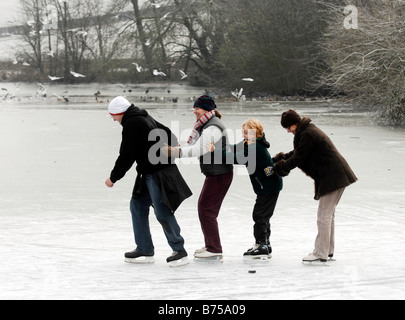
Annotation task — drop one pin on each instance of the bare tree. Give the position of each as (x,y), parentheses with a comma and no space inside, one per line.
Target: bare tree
(33,11)
(368,63)
(143,37)
(107,34)
(205,23)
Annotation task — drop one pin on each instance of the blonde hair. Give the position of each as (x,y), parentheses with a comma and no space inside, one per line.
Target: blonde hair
(254,124)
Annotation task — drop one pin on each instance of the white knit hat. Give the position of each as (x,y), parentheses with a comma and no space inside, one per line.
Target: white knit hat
(118,106)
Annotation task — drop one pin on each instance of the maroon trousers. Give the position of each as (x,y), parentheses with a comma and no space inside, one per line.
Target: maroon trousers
(212,195)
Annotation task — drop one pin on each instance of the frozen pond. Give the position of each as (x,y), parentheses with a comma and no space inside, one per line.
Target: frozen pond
(63,233)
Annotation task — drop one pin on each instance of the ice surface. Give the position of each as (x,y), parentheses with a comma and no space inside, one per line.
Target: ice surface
(63,233)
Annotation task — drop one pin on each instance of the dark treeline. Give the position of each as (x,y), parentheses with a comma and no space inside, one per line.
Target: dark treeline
(289,47)
(215,42)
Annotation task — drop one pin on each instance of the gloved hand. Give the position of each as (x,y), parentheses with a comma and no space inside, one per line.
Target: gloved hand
(278,168)
(278,157)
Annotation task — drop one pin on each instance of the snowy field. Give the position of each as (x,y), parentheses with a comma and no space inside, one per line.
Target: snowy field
(63,233)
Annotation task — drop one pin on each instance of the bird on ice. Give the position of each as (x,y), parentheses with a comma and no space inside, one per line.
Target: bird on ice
(42,90)
(77,75)
(65,97)
(157,73)
(97,94)
(237,93)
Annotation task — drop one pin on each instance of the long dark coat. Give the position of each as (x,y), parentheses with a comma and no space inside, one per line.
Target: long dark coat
(316,155)
(135,147)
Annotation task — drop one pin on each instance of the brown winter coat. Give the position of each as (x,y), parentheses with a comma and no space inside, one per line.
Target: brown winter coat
(316,155)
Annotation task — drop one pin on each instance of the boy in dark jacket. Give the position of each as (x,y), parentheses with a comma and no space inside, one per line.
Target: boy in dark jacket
(318,157)
(253,152)
(154,183)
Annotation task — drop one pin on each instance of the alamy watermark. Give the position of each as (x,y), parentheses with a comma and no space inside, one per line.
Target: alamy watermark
(221,155)
(352,17)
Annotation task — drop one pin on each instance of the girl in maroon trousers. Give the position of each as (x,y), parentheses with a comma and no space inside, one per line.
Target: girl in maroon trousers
(219,175)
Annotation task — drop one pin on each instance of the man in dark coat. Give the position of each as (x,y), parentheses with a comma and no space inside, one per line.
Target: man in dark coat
(316,155)
(154,185)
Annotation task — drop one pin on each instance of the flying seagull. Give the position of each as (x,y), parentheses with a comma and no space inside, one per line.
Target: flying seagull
(183,74)
(55,78)
(77,75)
(138,67)
(157,73)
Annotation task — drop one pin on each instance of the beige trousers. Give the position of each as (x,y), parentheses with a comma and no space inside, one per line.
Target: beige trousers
(325,240)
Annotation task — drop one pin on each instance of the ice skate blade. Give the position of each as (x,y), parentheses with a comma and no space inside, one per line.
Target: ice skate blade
(257,258)
(316,263)
(214,259)
(179,263)
(140,260)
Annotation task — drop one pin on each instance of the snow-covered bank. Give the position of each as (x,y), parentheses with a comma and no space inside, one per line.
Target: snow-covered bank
(63,233)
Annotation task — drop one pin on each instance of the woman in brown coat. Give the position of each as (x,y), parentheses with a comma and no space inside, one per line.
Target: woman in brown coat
(316,155)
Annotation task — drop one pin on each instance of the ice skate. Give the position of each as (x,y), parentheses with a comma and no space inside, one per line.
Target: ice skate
(138,258)
(204,255)
(178,259)
(199,251)
(258,252)
(311,259)
(331,259)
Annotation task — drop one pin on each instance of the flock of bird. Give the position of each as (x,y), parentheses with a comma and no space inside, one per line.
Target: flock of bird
(42,94)
(158,73)
(238,93)
(64,97)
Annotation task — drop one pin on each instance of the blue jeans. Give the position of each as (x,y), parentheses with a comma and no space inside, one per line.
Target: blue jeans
(140,220)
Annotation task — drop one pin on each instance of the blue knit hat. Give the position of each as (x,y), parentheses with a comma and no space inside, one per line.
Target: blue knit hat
(205,103)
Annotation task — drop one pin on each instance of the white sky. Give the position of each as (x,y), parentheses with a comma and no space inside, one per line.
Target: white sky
(8,10)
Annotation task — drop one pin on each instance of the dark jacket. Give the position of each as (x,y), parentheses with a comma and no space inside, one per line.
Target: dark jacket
(262,183)
(135,147)
(174,188)
(316,155)
(137,125)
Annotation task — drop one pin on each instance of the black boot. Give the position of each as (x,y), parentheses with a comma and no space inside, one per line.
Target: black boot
(178,259)
(137,257)
(259,251)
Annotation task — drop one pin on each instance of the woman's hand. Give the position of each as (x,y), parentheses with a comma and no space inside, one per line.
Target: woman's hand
(170,152)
